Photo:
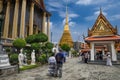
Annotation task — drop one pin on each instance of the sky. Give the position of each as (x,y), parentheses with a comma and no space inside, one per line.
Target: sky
(82,15)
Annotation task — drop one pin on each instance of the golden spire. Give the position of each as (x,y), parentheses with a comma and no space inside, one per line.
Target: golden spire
(66,27)
(66,36)
(66,15)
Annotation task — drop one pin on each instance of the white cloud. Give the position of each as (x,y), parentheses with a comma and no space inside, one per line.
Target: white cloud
(51,9)
(70,14)
(90,2)
(115,17)
(55,5)
(73,15)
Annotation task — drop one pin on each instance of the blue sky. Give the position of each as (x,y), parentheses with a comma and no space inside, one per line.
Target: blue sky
(82,15)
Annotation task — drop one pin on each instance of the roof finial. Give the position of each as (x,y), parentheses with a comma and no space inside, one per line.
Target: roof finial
(66,12)
(100,10)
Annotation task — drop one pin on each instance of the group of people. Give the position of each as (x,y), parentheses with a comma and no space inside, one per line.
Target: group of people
(56,61)
(85,56)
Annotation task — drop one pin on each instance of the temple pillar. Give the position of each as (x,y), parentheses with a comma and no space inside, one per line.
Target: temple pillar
(22,23)
(114,57)
(92,51)
(1,5)
(48,28)
(31,19)
(15,20)
(44,21)
(7,18)
(37,30)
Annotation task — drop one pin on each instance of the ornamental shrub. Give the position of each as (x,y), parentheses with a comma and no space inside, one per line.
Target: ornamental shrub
(49,45)
(42,59)
(35,46)
(30,39)
(41,37)
(65,47)
(14,58)
(19,43)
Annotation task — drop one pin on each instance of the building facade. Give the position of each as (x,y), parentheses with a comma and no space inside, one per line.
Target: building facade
(23,18)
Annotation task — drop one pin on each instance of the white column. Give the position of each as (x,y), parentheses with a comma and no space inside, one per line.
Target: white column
(44,22)
(48,28)
(92,51)
(31,19)
(7,17)
(15,20)
(22,24)
(114,57)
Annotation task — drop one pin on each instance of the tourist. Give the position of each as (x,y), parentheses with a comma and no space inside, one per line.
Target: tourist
(51,59)
(52,65)
(108,62)
(55,49)
(65,55)
(59,59)
(86,55)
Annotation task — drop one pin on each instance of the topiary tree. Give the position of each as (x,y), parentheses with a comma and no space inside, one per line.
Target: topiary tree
(41,37)
(14,58)
(42,59)
(35,46)
(49,45)
(30,39)
(19,43)
(65,47)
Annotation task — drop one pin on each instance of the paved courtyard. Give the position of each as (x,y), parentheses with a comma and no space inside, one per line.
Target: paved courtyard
(72,70)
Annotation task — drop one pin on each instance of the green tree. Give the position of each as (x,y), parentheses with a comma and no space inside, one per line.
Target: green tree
(14,58)
(65,47)
(49,45)
(35,46)
(19,43)
(30,39)
(41,37)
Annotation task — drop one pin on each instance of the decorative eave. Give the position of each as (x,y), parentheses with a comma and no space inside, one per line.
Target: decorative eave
(103,38)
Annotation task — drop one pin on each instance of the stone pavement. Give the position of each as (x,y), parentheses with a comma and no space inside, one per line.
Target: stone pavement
(73,69)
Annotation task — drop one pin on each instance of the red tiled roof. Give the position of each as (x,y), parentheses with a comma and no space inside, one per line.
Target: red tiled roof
(103,38)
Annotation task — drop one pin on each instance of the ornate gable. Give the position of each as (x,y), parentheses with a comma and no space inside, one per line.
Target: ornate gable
(102,27)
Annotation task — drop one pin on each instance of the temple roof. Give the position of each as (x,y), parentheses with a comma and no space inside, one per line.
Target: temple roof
(102,30)
(102,27)
(40,4)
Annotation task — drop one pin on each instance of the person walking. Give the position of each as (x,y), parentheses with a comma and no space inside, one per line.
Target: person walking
(52,65)
(108,62)
(86,55)
(59,60)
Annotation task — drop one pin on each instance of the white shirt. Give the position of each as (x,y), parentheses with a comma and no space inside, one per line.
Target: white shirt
(52,59)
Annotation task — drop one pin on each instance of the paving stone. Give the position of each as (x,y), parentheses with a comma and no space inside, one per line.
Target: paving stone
(72,70)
